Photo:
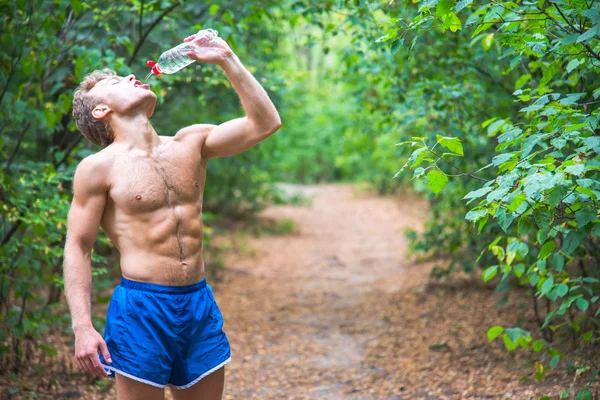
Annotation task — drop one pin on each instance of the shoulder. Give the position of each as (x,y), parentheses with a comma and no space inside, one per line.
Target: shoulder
(92,173)
(194,136)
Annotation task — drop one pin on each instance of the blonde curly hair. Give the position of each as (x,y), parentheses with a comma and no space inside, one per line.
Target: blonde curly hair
(96,131)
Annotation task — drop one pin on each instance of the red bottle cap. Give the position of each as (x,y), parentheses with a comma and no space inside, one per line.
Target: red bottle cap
(155,68)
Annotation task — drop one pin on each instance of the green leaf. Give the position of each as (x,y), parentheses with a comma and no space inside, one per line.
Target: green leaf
(554,361)
(213,9)
(478,193)
(509,135)
(572,241)
(427,4)
(576,169)
(488,121)
(562,290)
(547,286)
(574,64)
(502,158)
(397,45)
(436,180)
(418,172)
(494,332)
(495,127)
(489,273)
(582,304)
(537,346)
(462,4)
(542,217)
(516,202)
(504,220)
(451,143)
(510,345)
(522,249)
(519,270)
(585,216)
(474,215)
(522,80)
(548,73)
(498,194)
(584,394)
(452,22)
(487,41)
(558,261)
(444,7)
(547,249)
(590,33)
(557,195)
(418,156)
(515,333)
(482,223)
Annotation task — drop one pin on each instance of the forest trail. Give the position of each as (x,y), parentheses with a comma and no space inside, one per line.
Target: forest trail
(335,310)
(290,309)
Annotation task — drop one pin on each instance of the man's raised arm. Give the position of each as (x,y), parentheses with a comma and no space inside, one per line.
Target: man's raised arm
(261,120)
(85,214)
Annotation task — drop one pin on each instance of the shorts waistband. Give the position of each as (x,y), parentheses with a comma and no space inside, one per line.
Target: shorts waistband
(158,288)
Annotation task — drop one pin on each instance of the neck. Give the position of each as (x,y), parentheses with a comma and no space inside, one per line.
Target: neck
(135,132)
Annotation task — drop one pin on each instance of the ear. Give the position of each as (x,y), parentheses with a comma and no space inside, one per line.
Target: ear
(101,111)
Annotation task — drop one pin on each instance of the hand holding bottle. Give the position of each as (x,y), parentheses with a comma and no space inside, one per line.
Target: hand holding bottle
(207,47)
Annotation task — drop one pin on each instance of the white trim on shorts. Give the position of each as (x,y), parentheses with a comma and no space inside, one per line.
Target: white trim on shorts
(158,385)
(135,378)
(202,376)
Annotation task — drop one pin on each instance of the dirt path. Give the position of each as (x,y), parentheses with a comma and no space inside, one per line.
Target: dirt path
(291,309)
(336,311)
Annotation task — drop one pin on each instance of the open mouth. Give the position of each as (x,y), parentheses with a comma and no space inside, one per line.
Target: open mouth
(141,85)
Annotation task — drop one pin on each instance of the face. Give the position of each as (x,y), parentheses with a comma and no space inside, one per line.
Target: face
(123,95)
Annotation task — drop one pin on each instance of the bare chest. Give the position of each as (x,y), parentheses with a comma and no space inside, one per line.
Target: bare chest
(145,184)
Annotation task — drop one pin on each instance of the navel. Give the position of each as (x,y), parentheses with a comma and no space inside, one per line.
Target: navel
(196,184)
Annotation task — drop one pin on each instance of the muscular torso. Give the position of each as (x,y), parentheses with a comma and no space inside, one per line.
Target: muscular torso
(153,212)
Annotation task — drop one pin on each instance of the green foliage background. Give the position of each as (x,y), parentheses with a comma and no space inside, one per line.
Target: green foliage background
(490,109)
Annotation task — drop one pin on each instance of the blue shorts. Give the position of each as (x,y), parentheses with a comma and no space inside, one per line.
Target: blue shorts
(164,335)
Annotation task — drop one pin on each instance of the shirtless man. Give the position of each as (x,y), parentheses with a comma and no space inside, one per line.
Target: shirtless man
(163,326)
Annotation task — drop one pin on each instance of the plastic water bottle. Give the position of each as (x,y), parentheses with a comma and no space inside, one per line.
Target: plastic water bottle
(175,59)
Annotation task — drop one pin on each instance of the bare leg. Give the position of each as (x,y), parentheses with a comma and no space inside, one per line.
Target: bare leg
(208,388)
(130,389)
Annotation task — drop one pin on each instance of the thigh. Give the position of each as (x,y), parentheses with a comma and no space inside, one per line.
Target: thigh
(208,388)
(130,389)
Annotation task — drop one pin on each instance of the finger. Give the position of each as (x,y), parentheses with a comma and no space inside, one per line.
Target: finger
(98,368)
(189,38)
(80,365)
(105,352)
(191,54)
(89,367)
(80,361)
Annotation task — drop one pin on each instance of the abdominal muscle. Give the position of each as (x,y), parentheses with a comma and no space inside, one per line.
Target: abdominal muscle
(162,247)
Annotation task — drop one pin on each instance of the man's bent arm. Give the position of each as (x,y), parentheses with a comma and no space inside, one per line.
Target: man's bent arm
(235,136)
(89,199)
(260,110)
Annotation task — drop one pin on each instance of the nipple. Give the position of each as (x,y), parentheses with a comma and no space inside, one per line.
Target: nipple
(138,197)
